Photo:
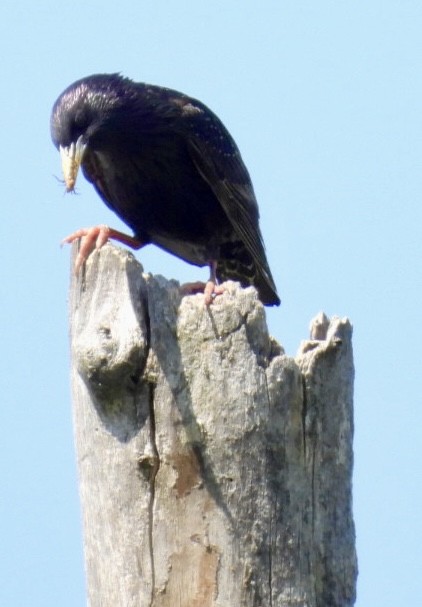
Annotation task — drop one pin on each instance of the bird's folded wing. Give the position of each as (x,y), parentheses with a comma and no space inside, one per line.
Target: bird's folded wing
(229,180)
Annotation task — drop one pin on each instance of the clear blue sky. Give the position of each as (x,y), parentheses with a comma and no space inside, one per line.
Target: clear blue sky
(324,101)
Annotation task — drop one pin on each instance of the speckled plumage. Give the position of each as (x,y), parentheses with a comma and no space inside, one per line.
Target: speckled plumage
(167,166)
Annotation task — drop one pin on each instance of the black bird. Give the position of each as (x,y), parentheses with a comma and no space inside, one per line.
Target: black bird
(167,166)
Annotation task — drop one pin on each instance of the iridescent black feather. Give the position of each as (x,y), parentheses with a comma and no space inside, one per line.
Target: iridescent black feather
(167,166)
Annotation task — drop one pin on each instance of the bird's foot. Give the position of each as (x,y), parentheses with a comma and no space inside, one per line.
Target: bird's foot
(210,290)
(96,237)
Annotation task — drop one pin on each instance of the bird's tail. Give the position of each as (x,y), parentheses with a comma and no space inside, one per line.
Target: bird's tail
(244,269)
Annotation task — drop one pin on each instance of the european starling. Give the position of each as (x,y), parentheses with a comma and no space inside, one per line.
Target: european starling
(167,166)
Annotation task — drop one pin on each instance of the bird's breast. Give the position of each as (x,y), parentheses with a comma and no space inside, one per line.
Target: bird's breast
(160,194)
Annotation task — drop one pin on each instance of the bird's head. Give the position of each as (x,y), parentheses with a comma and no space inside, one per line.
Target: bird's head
(78,118)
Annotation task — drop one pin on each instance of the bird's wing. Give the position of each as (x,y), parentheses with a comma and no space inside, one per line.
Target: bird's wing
(229,179)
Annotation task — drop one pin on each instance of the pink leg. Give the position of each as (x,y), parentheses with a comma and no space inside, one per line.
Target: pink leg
(210,288)
(96,237)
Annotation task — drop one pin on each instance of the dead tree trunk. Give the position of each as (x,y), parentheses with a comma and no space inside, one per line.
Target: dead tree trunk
(214,470)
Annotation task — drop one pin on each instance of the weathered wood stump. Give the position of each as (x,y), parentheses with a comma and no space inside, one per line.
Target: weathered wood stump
(215,471)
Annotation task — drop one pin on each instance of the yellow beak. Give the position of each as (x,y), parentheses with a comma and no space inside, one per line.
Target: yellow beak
(71,158)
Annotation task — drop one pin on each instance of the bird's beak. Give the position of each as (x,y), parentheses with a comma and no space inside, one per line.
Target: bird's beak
(71,158)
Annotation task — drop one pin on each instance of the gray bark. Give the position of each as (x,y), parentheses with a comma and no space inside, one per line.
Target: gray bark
(215,471)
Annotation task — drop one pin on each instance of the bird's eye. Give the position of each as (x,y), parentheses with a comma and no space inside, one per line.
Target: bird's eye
(82,119)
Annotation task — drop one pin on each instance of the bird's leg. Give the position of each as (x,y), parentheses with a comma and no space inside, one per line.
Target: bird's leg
(96,237)
(211,288)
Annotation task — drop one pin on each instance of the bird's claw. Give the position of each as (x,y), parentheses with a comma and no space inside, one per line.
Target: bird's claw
(91,239)
(210,290)
(96,237)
